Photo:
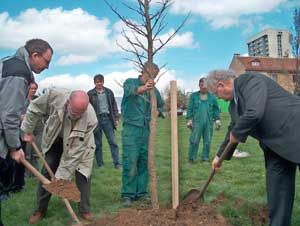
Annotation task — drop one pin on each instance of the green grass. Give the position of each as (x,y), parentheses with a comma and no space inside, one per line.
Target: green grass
(238,178)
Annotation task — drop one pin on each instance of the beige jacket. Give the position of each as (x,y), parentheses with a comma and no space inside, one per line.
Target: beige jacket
(78,143)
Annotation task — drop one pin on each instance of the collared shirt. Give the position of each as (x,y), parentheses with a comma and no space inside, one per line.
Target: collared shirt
(235,98)
(102,100)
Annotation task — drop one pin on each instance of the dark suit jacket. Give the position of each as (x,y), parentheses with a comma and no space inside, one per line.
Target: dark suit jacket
(111,101)
(267,112)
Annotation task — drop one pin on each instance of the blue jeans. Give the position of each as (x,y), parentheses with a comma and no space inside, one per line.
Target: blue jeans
(105,125)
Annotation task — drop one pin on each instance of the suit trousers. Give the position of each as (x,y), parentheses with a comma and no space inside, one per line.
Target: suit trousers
(280,182)
(84,185)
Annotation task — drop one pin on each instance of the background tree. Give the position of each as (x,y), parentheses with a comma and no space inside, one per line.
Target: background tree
(182,99)
(296,48)
(144,43)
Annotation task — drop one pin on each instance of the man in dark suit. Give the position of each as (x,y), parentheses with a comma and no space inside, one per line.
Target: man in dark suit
(260,108)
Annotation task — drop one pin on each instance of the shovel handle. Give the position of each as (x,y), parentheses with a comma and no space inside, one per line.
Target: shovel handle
(39,153)
(71,211)
(224,154)
(66,201)
(35,172)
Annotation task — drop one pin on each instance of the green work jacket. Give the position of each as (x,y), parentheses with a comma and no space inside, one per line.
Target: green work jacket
(136,109)
(194,105)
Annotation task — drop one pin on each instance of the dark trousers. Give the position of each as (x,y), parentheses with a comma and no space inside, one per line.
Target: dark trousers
(280,181)
(105,125)
(19,181)
(43,197)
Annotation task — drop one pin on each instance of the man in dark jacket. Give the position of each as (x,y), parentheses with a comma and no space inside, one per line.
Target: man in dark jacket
(259,107)
(15,77)
(105,105)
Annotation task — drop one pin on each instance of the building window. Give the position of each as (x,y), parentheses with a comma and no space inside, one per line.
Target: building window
(279,44)
(255,63)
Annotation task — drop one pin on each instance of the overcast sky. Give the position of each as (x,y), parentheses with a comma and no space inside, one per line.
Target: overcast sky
(83,35)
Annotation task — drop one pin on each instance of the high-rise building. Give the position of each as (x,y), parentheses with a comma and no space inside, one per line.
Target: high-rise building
(270,43)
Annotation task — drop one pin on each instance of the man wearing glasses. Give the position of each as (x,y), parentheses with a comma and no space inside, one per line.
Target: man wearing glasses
(15,77)
(67,141)
(262,109)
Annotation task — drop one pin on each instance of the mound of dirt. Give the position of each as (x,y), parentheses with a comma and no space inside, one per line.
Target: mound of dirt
(196,214)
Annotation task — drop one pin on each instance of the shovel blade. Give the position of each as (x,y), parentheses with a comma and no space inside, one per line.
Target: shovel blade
(192,196)
(64,189)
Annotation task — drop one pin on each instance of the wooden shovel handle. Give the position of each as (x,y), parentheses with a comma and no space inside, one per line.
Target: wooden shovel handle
(35,172)
(66,201)
(41,156)
(224,154)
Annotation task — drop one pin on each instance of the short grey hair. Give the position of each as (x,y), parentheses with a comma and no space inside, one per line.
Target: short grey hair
(216,76)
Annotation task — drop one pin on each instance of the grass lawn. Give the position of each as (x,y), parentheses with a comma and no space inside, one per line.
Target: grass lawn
(242,179)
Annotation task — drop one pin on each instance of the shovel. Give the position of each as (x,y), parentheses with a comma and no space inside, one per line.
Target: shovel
(66,201)
(194,194)
(61,188)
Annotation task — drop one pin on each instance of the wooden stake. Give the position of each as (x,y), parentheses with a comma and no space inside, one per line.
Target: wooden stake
(174,140)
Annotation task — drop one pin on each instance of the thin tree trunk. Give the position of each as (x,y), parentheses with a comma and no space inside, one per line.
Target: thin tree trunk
(151,152)
(153,123)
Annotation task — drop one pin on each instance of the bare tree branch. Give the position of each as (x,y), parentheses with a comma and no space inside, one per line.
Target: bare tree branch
(128,23)
(138,11)
(119,83)
(171,36)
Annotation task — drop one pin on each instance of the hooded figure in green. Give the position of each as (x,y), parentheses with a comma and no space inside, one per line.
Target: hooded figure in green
(202,111)
(136,114)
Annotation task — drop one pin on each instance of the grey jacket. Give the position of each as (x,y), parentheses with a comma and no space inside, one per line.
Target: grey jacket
(78,142)
(15,77)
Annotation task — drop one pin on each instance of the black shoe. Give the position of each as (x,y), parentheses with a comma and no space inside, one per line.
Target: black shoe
(192,161)
(127,202)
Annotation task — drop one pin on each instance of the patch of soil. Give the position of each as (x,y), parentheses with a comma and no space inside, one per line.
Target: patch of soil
(195,214)
(259,215)
(220,199)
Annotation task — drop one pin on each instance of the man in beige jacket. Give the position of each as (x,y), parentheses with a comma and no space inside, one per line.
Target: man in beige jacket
(67,142)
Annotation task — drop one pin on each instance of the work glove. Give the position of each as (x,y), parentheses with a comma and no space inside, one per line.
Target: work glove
(218,124)
(189,124)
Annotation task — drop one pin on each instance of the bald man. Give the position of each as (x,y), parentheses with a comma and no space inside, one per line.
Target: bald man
(67,141)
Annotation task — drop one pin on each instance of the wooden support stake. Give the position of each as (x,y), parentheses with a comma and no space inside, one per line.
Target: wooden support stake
(174,140)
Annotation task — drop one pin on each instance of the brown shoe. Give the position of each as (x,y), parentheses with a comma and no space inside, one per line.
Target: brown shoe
(87,216)
(36,217)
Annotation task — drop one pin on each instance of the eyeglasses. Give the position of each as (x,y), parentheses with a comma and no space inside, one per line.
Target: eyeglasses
(47,62)
(73,114)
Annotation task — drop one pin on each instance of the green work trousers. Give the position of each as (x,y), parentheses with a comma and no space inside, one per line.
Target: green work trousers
(135,161)
(204,130)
